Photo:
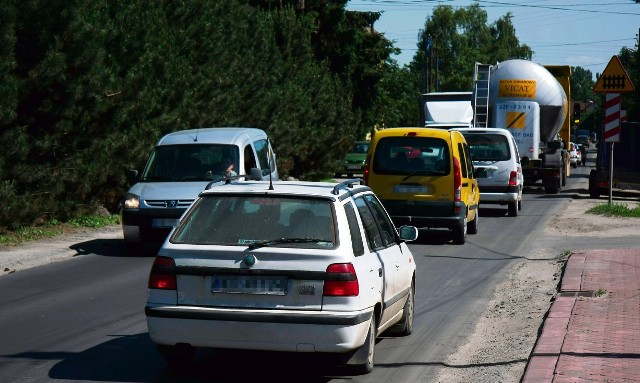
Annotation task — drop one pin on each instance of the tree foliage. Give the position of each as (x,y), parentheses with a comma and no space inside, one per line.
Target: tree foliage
(89,87)
(460,37)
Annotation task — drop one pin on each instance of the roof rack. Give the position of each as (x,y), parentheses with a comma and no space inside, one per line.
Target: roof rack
(345,184)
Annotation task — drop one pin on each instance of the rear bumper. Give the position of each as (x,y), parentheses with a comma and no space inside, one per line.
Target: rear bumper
(499,195)
(271,330)
(426,214)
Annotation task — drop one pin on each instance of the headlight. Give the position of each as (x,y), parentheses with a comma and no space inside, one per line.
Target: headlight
(131,201)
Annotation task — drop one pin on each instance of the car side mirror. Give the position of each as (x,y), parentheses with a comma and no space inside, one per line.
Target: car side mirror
(408,233)
(255,174)
(132,176)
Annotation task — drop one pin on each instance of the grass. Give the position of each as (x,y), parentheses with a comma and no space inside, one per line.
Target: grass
(54,228)
(615,210)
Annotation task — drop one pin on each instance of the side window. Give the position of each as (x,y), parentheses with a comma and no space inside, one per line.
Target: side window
(464,166)
(469,161)
(386,226)
(249,159)
(374,239)
(515,146)
(354,230)
(262,150)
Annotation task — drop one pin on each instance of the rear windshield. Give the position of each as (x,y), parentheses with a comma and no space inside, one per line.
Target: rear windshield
(193,162)
(246,220)
(488,147)
(406,155)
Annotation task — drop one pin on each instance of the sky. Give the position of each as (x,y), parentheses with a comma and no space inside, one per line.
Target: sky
(585,33)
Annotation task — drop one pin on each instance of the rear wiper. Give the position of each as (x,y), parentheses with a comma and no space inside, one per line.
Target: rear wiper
(424,172)
(270,242)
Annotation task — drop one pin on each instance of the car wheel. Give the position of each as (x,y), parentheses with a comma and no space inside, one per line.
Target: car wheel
(178,357)
(363,356)
(520,204)
(133,249)
(460,233)
(473,225)
(513,209)
(405,326)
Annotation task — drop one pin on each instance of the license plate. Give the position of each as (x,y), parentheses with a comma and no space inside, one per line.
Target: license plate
(410,189)
(353,167)
(164,222)
(240,284)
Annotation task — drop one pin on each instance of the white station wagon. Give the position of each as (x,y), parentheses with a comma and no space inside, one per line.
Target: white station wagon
(284,266)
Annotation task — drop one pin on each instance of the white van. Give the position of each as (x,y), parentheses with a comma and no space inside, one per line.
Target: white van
(179,167)
(497,162)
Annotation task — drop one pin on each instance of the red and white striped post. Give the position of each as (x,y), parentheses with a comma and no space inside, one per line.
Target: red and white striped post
(612,106)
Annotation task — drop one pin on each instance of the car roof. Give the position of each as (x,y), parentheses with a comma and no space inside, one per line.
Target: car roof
(485,130)
(222,135)
(330,190)
(421,131)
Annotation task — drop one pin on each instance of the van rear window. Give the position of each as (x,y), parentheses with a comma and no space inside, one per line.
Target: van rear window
(488,147)
(407,155)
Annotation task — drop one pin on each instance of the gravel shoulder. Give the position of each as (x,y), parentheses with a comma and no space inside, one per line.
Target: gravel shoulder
(50,250)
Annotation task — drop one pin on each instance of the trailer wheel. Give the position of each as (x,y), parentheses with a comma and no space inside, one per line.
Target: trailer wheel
(552,186)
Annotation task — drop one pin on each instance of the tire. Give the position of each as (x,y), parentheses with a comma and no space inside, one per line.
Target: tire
(472,227)
(363,356)
(553,186)
(134,249)
(405,326)
(594,192)
(460,233)
(513,209)
(520,204)
(178,357)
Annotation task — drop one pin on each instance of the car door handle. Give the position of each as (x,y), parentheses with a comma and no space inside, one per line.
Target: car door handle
(380,272)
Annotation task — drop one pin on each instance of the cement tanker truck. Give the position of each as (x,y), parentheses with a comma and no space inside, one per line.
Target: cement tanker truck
(528,100)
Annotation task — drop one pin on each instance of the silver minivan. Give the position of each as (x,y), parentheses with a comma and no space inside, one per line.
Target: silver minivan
(179,167)
(497,162)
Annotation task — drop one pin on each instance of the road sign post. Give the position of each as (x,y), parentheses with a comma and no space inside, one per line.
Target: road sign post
(613,81)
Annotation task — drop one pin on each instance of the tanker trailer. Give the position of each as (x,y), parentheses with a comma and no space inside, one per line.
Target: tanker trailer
(526,99)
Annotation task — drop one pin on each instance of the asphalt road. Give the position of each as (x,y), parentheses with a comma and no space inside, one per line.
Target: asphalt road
(83,320)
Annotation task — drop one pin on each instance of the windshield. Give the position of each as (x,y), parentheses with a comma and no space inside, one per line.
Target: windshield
(192,162)
(488,147)
(258,221)
(411,156)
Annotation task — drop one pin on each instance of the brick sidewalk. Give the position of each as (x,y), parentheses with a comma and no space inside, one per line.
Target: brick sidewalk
(591,338)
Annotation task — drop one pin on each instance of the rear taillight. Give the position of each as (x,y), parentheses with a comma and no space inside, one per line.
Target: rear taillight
(365,176)
(163,274)
(603,184)
(457,180)
(513,178)
(341,281)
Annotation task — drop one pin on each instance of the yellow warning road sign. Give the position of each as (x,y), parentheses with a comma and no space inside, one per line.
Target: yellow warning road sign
(614,79)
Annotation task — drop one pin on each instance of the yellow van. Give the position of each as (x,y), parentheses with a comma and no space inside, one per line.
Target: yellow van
(425,178)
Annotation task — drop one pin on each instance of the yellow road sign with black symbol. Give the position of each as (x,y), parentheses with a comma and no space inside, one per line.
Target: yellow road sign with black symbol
(614,79)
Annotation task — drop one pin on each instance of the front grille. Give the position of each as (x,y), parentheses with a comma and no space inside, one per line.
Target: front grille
(169,203)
